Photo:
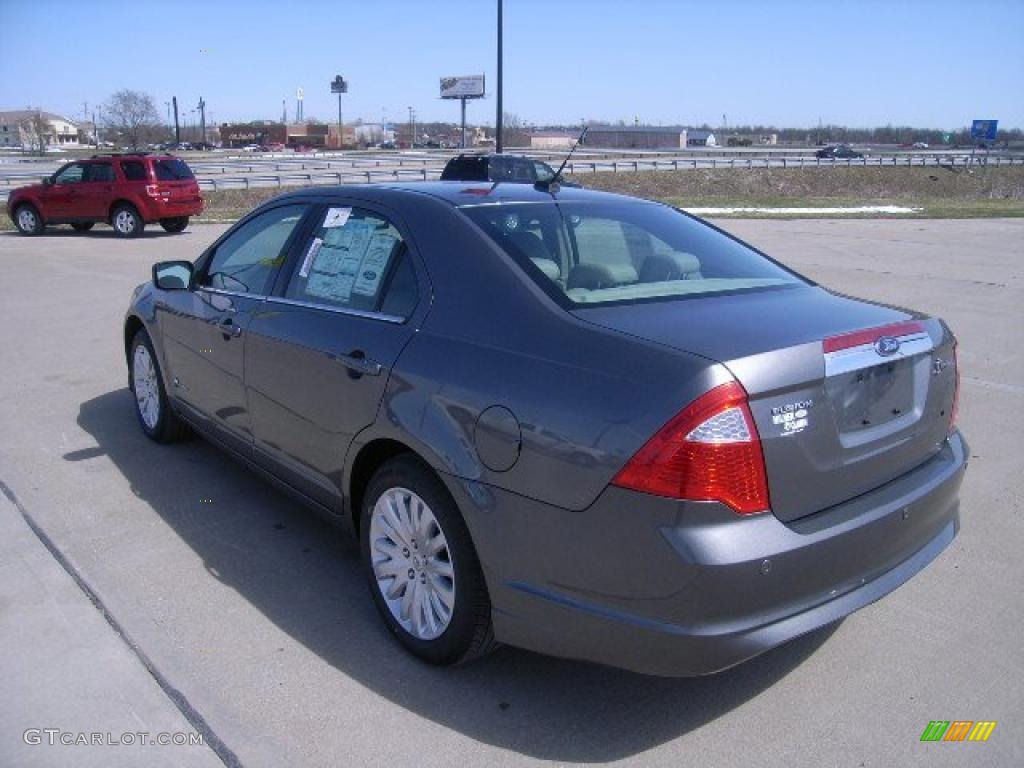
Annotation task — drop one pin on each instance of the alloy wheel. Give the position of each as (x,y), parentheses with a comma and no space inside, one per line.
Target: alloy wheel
(146,386)
(26,220)
(412,563)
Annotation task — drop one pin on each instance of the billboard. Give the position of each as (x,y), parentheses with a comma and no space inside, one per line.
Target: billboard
(469,87)
(984,130)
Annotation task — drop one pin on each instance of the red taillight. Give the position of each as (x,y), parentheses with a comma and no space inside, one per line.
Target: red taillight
(709,452)
(955,410)
(153,190)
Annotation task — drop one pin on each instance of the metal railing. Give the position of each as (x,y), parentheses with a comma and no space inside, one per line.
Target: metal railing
(364,170)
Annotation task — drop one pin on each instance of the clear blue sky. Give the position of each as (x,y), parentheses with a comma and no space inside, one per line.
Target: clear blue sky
(928,63)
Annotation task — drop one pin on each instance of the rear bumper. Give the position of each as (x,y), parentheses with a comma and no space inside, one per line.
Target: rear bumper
(681,588)
(153,209)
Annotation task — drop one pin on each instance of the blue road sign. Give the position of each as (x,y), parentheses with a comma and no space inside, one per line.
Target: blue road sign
(984,130)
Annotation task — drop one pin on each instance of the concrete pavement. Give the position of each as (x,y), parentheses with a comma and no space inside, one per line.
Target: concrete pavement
(257,613)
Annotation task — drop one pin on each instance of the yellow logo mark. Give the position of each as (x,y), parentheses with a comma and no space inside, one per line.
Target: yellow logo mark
(982,730)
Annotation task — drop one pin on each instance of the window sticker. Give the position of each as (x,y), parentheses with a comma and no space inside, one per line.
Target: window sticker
(336,217)
(334,287)
(374,264)
(314,249)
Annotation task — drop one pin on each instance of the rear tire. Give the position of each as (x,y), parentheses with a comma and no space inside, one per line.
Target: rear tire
(28,221)
(152,407)
(175,225)
(126,221)
(82,226)
(421,565)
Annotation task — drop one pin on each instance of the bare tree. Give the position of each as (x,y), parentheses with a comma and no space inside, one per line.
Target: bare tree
(132,116)
(36,129)
(515,133)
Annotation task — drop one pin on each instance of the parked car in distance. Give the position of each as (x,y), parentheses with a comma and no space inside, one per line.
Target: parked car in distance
(127,191)
(838,152)
(497,168)
(920,145)
(580,423)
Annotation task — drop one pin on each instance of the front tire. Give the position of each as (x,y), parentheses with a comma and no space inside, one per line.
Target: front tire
(152,407)
(27,220)
(126,221)
(82,226)
(422,568)
(174,225)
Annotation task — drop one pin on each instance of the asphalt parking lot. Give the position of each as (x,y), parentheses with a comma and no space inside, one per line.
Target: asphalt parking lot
(244,613)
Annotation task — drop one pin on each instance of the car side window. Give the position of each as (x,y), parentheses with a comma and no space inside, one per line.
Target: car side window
(245,262)
(356,260)
(71,174)
(99,172)
(133,170)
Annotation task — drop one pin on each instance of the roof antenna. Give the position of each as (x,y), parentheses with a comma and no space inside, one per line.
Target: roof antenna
(553,181)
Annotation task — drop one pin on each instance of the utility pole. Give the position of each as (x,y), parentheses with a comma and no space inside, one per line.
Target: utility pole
(284,112)
(412,128)
(202,120)
(498,121)
(177,125)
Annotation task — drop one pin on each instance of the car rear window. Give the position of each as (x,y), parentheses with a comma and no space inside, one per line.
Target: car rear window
(614,253)
(172,169)
(471,168)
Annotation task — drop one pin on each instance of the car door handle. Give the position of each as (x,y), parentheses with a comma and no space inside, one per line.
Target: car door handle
(359,364)
(229,329)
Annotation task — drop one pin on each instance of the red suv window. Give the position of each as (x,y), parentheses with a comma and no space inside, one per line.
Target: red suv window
(101,172)
(172,169)
(133,170)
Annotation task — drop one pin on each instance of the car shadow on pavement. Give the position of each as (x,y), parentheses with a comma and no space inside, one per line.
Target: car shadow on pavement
(306,578)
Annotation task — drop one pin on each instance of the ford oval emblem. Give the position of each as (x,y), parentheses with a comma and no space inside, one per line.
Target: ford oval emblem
(887,345)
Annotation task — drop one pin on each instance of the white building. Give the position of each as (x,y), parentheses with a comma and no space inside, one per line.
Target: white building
(16,128)
(699,138)
(551,140)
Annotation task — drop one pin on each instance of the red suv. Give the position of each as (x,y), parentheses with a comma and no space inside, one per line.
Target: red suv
(125,191)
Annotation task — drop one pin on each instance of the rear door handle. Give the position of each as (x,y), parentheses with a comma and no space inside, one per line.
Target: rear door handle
(229,329)
(359,364)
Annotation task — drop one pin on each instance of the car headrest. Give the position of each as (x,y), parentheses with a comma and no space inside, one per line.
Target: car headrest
(548,267)
(594,276)
(530,245)
(675,266)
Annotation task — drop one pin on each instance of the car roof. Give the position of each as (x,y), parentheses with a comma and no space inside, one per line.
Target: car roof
(463,193)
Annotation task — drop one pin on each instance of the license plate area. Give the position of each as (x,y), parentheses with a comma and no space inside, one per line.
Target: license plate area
(873,397)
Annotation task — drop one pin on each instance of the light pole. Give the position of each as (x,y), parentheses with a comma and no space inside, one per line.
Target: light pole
(339,86)
(412,128)
(498,120)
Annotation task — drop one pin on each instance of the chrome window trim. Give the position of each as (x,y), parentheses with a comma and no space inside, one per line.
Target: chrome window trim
(339,310)
(240,294)
(865,356)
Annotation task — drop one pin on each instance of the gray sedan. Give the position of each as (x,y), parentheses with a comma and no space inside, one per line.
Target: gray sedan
(584,424)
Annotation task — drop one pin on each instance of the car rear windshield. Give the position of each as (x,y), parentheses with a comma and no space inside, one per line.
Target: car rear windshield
(172,169)
(613,253)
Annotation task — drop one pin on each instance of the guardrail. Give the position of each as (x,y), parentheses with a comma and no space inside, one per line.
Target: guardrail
(215,176)
(693,163)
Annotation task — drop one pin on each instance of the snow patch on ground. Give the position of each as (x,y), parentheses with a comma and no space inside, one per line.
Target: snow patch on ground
(890,209)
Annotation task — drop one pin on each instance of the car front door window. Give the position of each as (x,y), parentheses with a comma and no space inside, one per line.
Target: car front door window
(71,174)
(246,261)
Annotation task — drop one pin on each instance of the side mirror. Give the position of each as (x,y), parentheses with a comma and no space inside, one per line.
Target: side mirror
(173,275)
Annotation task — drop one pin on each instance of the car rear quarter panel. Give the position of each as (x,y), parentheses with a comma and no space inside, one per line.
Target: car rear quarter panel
(585,399)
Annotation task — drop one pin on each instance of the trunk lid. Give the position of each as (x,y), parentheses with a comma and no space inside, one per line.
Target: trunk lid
(837,414)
